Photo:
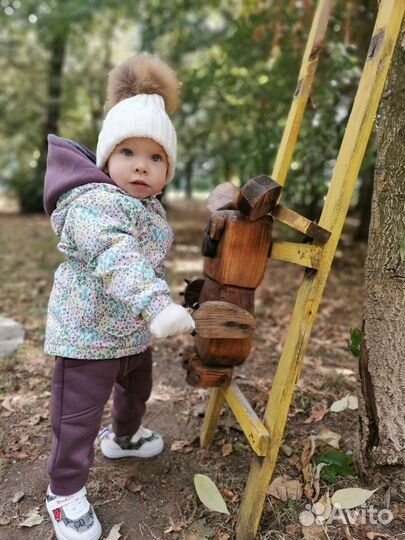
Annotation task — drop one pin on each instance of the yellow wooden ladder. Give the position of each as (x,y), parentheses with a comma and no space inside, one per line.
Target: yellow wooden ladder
(265,436)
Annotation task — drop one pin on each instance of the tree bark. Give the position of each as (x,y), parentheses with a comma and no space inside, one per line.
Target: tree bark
(57,49)
(31,201)
(382,362)
(364,204)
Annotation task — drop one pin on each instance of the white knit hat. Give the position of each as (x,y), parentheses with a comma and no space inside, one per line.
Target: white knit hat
(143,115)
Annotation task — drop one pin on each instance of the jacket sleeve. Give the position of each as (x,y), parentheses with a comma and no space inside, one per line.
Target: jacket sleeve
(104,239)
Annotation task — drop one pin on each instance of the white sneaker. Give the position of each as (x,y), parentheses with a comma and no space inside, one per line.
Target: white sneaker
(73,517)
(144,444)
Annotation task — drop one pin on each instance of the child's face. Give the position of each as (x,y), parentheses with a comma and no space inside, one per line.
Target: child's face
(139,167)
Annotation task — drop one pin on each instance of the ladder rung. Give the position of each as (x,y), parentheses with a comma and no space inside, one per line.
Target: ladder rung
(300,223)
(252,427)
(308,255)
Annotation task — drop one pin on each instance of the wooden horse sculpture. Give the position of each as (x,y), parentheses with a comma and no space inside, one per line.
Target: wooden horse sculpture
(236,246)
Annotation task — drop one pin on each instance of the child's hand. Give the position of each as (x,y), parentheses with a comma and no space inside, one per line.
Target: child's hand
(172,320)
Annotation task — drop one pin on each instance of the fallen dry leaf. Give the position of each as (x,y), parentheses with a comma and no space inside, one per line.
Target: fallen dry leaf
(21,455)
(314,532)
(346,532)
(293,529)
(132,486)
(209,494)
(317,480)
(199,530)
(306,466)
(307,454)
(282,488)
(223,536)
(6,404)
(287,450)
(198,410)
(181,446)
(115,532)
(230,495)
(348,402)
(173,527)
(398,512)
(32,520)
(353,403)
(351,497)
(18,497)
(329,437)
(226,449)
(317,413)
(36,419)
(377,535)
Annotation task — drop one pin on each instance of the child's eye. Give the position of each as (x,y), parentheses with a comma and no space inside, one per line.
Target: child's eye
(156,157)
(127,152)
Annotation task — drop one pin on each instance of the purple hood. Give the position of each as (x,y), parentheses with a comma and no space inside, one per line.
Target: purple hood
(69,165)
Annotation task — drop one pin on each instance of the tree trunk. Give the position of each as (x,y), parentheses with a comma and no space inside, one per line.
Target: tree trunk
(382,362)
(364,204)
(31,199)
(189,177)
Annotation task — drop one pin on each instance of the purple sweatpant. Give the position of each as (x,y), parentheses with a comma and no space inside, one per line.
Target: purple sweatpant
(80,389)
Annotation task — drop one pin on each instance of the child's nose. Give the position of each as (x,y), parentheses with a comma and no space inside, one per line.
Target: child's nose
(140,165)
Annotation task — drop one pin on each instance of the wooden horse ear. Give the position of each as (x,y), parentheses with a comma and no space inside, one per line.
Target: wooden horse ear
(255,200)
(258,197)
(223,197)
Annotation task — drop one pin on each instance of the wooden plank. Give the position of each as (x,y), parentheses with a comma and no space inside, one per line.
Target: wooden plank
(307,255)
(242,252)
(300,223)
(211,417)
(344,177)
(254,430)
(225,352)
(304,84)
(216,319)
(212,290)
(222,352)
(205,377)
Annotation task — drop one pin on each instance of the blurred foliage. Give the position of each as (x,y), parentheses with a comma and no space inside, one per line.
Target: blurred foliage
(238,62)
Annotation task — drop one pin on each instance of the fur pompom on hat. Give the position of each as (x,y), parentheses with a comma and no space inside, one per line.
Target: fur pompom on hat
(140,94)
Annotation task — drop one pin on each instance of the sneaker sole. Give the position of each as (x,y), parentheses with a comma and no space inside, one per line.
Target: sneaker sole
(60,536)
(112,452)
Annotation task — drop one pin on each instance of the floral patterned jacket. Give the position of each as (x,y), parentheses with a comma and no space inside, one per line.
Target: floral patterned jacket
(112,283)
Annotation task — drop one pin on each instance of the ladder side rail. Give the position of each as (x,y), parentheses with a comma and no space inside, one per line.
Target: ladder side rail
(304,84)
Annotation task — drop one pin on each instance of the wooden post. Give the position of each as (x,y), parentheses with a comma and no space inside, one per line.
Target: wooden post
(305,79)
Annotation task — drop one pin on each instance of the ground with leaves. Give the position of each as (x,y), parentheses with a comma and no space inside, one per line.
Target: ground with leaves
(156,499)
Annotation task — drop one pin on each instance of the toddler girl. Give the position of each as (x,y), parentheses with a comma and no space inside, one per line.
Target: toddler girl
(110,295)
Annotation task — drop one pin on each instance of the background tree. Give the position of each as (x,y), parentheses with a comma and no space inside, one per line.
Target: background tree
(382,362)
(238,63)
(40,42)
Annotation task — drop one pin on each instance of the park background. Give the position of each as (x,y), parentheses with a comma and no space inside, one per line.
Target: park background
(238,62)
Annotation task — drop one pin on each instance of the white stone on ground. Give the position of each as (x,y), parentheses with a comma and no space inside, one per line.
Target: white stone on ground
(11,336)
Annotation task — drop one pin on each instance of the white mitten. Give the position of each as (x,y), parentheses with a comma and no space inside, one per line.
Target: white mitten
(172,320)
